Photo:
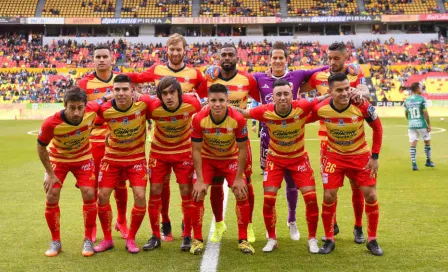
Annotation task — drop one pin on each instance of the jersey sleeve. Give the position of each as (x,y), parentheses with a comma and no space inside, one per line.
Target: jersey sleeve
(46,132)
(361,79)
(307,104)
(94,106)
(312,82)
(192,101)
(82,83)
(253,88)
(201,85)
(145,76)
(149,101)
(313,116)
(424,104)
(196,133)
(257,113)
(241,132)
(307,74)
(374,122)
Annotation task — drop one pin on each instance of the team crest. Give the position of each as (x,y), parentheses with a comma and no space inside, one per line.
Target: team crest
(137,114)
(354,119)
(341,122)
(173,119)
(296,117)
(186,80)
(324,83)
(283,123)
(218,132)
(240,87)
(113,121)
(108,90)
(229,130)
(78,132)
(125,121)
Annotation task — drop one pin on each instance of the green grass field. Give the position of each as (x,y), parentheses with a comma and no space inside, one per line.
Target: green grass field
(413,216)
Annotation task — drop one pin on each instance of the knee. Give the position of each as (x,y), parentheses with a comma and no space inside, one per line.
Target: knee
(370,197)
(52,196)
(185,189)
(139,198)
(156,189)
(103,197)
(329,197)
(88,194)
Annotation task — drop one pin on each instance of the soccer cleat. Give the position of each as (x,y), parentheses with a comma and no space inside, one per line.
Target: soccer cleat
(131,246)
(55,248)
(197,247)
(152,243)
(246,247)
(270,245)
(335,232)
(104,245)
(312,246)
(220,228)
(167,235)
(123,229)
(94,234)
(250,233)
(414,167)
(429,163)
(327,248)
(374,248)
(87,248)
(294,231)
(359,236)
(186,243)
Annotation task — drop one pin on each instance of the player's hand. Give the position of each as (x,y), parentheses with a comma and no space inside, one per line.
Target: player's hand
(212,73)
(239,188)
(353,69)
(269,72)
(199,190)
(194,94)
(373,166)
(254,128)
(428,129)
(356,95)
(50,180)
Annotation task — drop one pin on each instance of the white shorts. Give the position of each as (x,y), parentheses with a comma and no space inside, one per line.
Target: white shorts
(415,134)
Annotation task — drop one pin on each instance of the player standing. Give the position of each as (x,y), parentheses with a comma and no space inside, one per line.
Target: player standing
(285,120)
(66,134)
(416,112)
(220,150)
(348,155)
(171,149)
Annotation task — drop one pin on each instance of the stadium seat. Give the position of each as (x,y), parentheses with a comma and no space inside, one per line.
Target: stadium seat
(322,7)
(374,7)
(79,8)
(25,8)
(240,8)
(156,8)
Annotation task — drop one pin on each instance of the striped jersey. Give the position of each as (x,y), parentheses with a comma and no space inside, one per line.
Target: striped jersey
(319,81)
(240,87)
(346,133)
(287,132)
(172,129)
(219,138)
(126,139)
(67,142)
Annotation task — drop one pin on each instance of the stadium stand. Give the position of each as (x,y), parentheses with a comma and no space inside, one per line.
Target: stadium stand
(79,8)
(18,8)
(247,8)
(375,7)
(156,8)
(322,7)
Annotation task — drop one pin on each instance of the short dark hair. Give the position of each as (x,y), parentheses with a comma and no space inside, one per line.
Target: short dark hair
(101,46)
(122,78)
(169,82)
(229,45)
(338,46)
(415,86)
(217,88)
(279,46)
(281,82)
(75,94)
(336,77)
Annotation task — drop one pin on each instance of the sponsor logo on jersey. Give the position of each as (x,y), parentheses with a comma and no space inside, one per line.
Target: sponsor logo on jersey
(341,123)
(125,121)
(265,86)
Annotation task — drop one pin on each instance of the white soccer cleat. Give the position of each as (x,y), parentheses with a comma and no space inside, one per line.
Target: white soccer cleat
(270,246)
(312,246)
(294,231)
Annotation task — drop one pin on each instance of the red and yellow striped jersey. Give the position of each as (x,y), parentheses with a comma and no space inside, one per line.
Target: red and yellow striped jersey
(287,133)
(67,142)
(126,139)
(219,138)
(189,78)
(319,81)
(346,134)
(172,130)
(240,87)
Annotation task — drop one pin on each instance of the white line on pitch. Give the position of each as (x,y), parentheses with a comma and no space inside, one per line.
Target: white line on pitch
(210,258)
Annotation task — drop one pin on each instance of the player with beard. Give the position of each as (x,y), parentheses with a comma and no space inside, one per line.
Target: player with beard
(337,57)
(190,80)
(240,86)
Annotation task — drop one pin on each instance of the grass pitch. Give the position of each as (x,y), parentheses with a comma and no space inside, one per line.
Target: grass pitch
(412,227)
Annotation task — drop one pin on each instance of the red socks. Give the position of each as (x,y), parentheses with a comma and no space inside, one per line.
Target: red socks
(89,211)
(358,205)
(251,199)
(137,215)
(242,210)
(165,202)
(217,200)
(121,197)
(328,212)
(154,207)
(312,212)
(105,215)
(53,216)
(373,214)
(197,214)
(186,211)
(269,213)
